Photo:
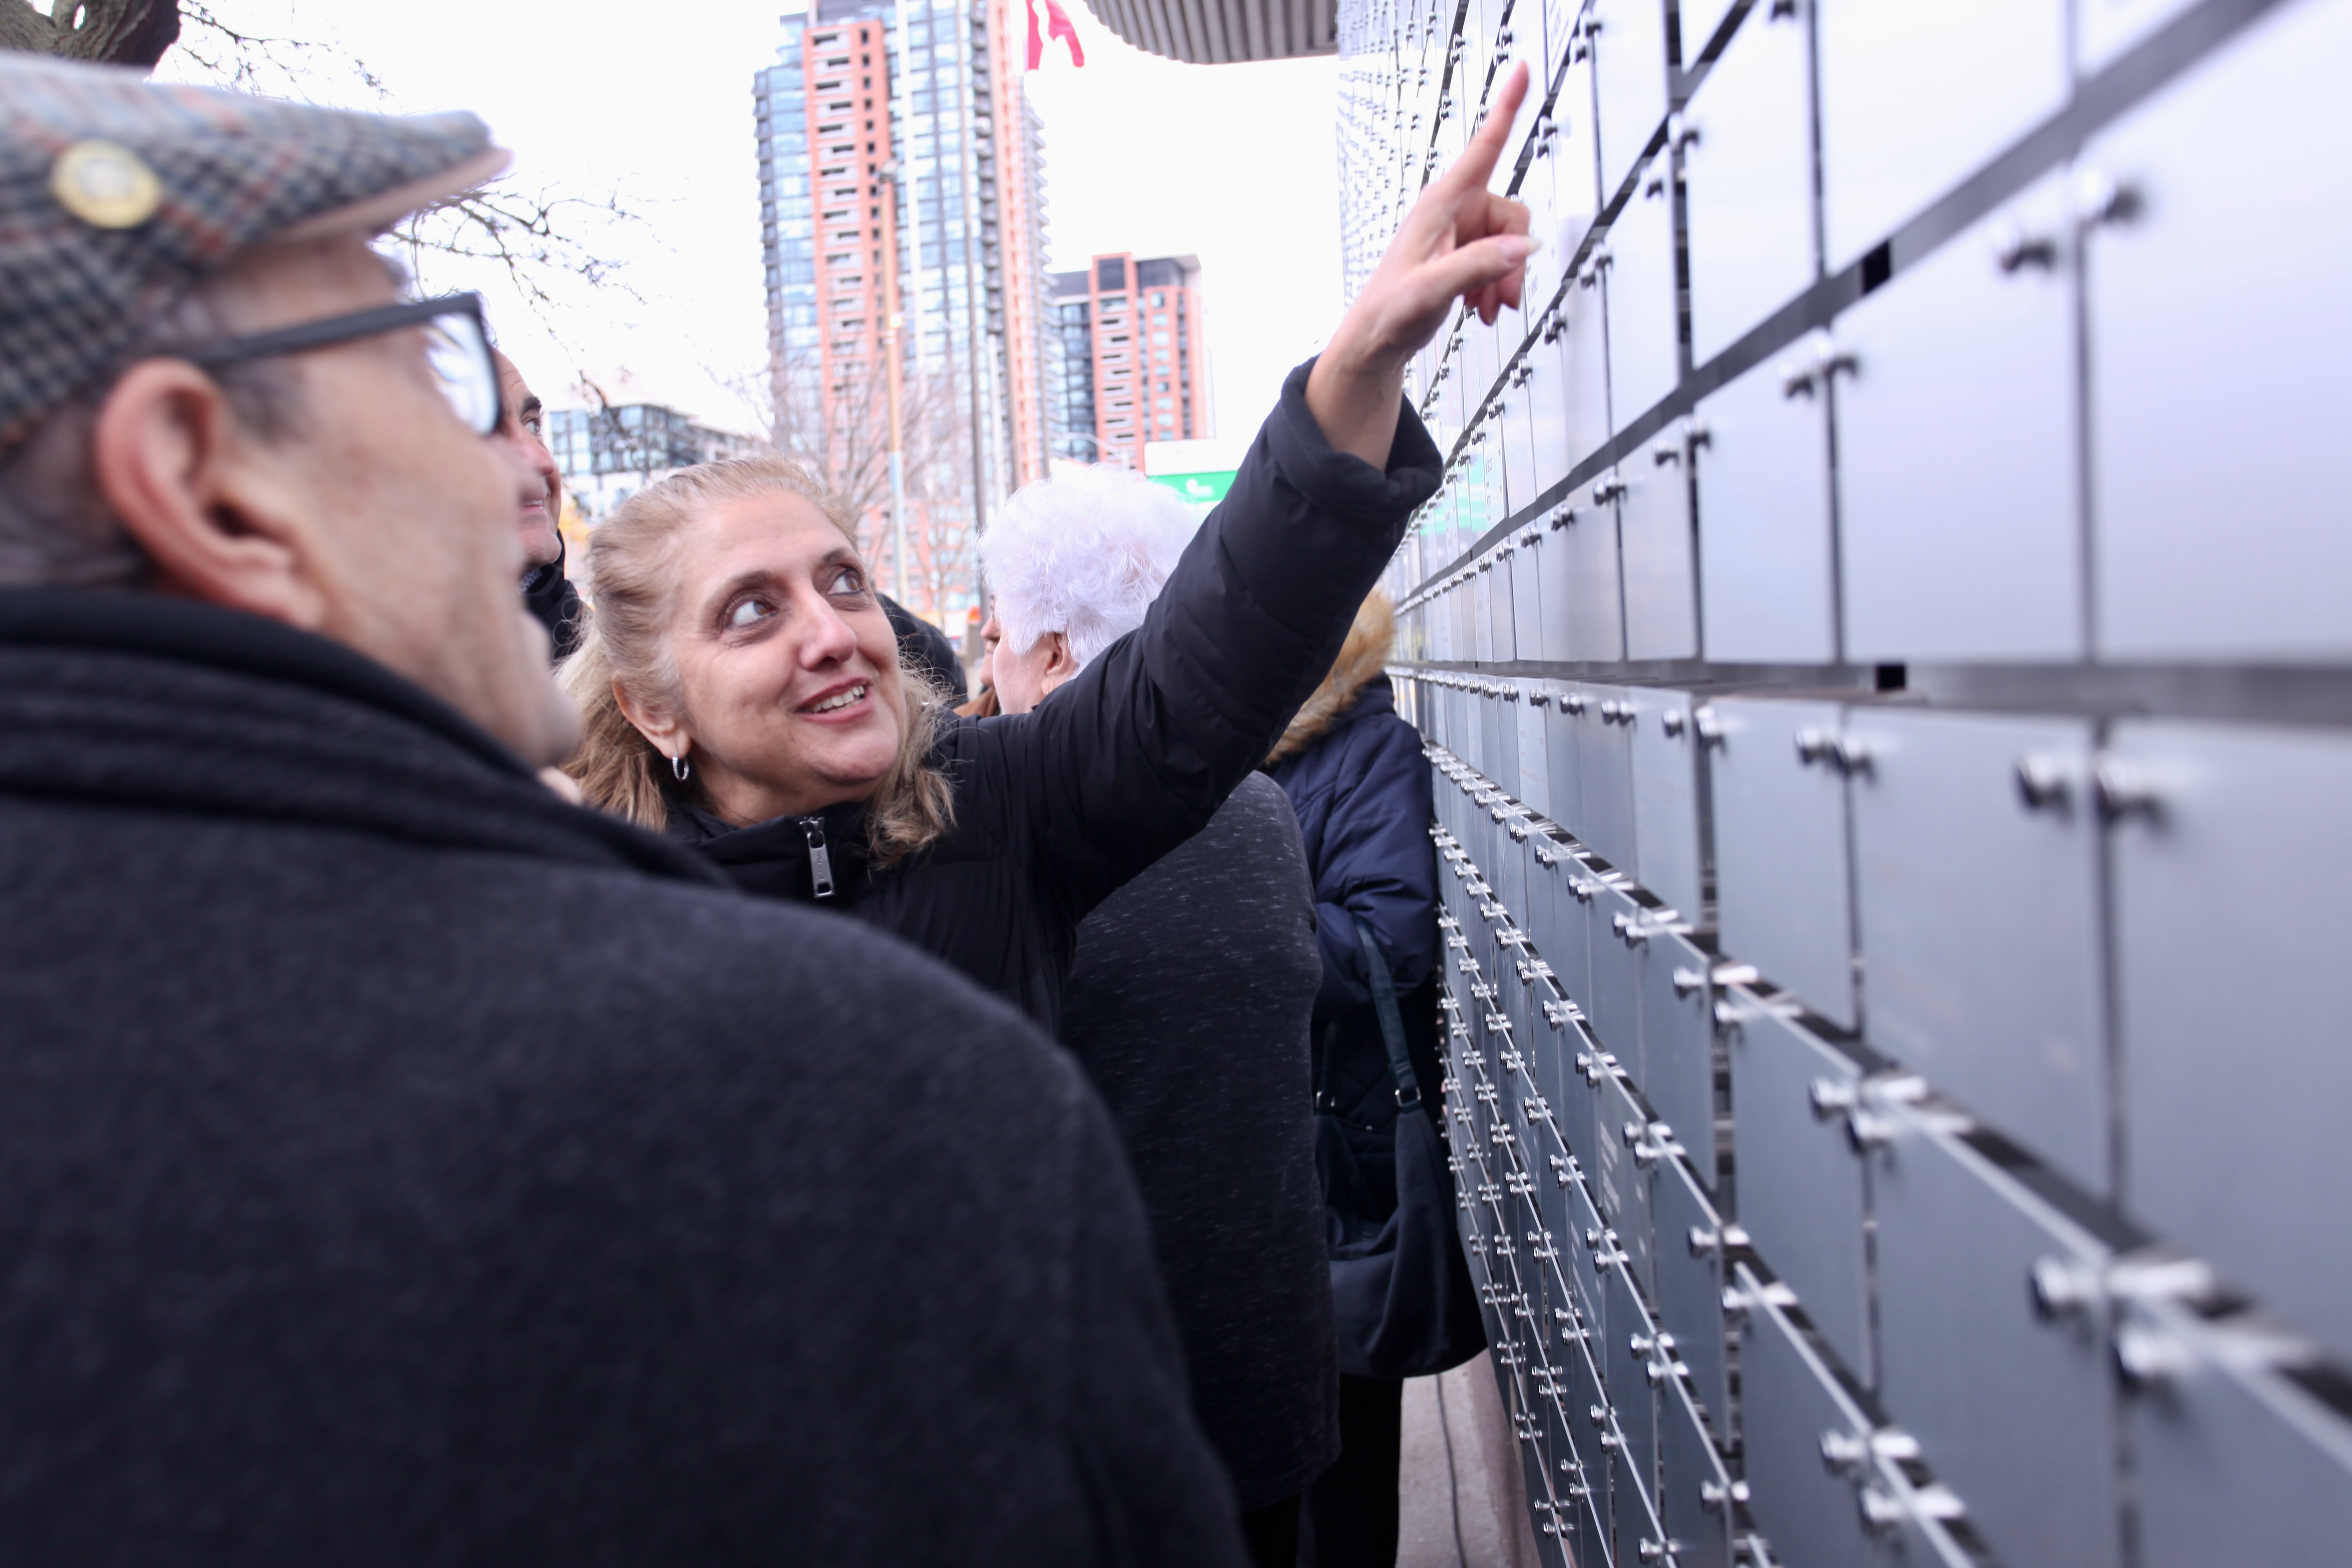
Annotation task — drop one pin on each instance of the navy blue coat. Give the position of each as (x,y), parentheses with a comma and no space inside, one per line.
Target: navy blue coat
(1364,799)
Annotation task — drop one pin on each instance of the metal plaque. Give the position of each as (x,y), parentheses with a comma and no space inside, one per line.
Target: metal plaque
(1944,556)
(1993,1346)
(2228,853)
(1748,168)
(2218,324)
(1978,909)
(1782,900)
(1801,1182)
(1765,550)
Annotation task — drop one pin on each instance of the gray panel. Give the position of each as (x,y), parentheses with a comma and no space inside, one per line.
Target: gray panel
(1664,747)
(1447,415)
(1629,50)
(1557,918)
(1801,1184)
(1482,607)
(1618,1167)
(2234,1464)
(1605,767)
(1520,40)
(1595,599)
(1782,898)
(1584,362)
(1688,1260)
(1532,759)
(1477,35)
(1634,1517)
(1544,1042)
(1588,1245)
(1479,362)
(1504,426)
(1560,231)
(1914,97)
(1633,1348)
(2229,910)
(1562,770)
(2241,172)
(1504,603)
(1765,550)
(1788,1401)
(1480,489)
(2023,1425)
(1749,171)
(1501,727)
(1977,906)
(1678,1044)
(1644,318)
(1565,163)
(1615,1006)
(1660,550)
(1527,592)
(1548,419)
(1509,872)
(1694,1489)
(1944,554)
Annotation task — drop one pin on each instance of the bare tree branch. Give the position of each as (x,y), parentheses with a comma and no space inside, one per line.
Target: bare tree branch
(256,62)
(531,238)
(534,239)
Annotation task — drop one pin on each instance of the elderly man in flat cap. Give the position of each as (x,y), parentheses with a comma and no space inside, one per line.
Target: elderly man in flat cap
(398,1164)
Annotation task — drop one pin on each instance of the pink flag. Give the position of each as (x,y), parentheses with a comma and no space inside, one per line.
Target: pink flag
(1057,25)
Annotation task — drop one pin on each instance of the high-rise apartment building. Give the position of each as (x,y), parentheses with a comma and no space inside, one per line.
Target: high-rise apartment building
(1134,356)
(903,219)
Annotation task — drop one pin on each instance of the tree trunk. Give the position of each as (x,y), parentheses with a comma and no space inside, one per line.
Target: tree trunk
(108,32)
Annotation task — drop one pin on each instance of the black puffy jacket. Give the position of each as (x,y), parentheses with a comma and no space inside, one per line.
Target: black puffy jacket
(1055,809)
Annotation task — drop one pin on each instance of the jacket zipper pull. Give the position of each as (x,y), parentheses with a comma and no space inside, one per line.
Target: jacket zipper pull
(819,862)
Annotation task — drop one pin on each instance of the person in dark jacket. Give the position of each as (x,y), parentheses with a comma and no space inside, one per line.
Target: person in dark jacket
(924,650)
(1188,1005)
(743,692)
(397,1164)
(1355,774)
(547,593)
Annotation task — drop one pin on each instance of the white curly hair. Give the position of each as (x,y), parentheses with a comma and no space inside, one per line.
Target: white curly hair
(1083,553)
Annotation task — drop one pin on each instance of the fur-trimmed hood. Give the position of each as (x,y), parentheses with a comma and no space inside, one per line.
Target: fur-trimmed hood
(1362,659)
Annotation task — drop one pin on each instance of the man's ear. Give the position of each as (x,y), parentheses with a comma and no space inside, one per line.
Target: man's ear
(184,479)
(1063,664)
(667,732)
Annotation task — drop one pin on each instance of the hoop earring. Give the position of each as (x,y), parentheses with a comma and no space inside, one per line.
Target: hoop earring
(680,767)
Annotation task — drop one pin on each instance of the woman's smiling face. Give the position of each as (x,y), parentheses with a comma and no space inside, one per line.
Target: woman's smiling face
(788,673)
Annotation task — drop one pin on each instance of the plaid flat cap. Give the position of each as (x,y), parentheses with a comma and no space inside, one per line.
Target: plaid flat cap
(117,196)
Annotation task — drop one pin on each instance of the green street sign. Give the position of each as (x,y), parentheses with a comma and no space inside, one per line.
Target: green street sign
(1201,490)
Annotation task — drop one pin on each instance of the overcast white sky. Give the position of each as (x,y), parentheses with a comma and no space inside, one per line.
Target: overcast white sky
(653,103)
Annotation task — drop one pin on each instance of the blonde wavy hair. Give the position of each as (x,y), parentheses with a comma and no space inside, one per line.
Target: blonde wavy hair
(632,560)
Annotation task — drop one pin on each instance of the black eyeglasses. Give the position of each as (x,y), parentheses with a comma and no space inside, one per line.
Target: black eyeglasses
(457,344)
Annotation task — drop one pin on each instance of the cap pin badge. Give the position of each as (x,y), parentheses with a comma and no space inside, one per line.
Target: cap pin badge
(105,185)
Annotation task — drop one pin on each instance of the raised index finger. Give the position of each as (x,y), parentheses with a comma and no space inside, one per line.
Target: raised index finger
(1477,164)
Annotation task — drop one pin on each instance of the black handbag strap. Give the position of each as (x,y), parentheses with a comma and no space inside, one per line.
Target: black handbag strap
(1383,984)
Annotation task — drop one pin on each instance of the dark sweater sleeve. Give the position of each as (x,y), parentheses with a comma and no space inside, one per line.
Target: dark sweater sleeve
(1376,862)
(1136,754)
(1154,1486)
